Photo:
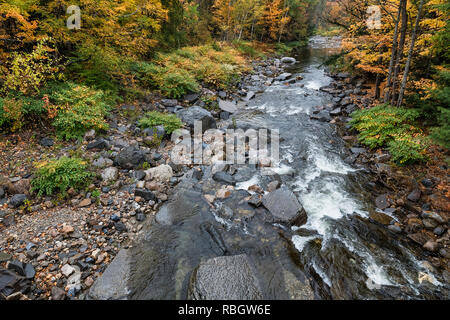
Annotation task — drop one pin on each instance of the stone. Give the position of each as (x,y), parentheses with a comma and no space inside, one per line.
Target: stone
(99,144)
(395,228)
(434,216)
(227,106)
(224,192)
(17,200)
(85,203)
(323,116)
(250,95)
(429,223)
(193,114)
(285,207)
(11,282)
(113,283)
(130,158)
(22,186)
(90,135)
(29,271)
(272,186)
(169,102)
(67,229)
(224,177)
(2,193)
(162,173)
(414,196)
(418,238)
(139,175)
(102,162)
(67,270)
(382,201)
(5,257)
(46,142)
(159,131)
(110,174)
(431,246)
(288,60)
(58,293)
(225,278)
(358,151)
(439,231)
(427,183)
(283,76)
(147,195)
(191,98)
(255,200)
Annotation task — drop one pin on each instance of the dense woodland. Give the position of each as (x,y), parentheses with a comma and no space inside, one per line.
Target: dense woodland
(70,79)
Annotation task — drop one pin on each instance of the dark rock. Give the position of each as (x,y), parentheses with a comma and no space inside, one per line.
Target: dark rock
(11,283)
(429,223)
(146,194)
(323,116)
(169,102)
(418,238)
(335,112)
(439,231)
(191,98)
(130,158)
(99,144)
(382,202)
(115,218)
(58,293)
(120,227)
(139,175)
(29,271)
(284,207)
(197,174)
(2,193)
(358,151)
(427,183)
(140,217)
(225,278)
(434,216)
(191,115)
(224,115)
(226,211)
(346,101)
(17,200)
(224,177)
(46,142)
(255,200)
(414,196)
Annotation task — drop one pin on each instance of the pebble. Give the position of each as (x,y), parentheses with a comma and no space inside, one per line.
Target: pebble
(67,270)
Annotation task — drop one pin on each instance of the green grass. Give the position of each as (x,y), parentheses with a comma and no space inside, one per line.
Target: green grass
(155,118)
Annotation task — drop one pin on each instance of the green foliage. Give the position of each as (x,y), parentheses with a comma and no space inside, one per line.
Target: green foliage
(30,71)
(154,118)
(384,125)
(441,134)
(58,175)
(247,48)
(15,108)
(79,109)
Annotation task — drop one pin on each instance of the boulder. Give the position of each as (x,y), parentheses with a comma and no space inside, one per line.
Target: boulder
(225,278)
(224,177)
(17,200)
(285,207)
(191,115)
(414,196)
(382,202)
(227,106)
(162,173)
(113,283)
(288,60)
(130,158)
(110,174)
(146,194)
(169,102)
(46,142)
(99,144)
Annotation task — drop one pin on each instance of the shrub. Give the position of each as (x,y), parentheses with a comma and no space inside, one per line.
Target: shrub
(155,118)
(393,127)
(30,71)
(15,108)
(80,109)
(58,175)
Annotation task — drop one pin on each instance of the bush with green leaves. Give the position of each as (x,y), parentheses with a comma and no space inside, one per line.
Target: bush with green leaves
(15,108)
(80,109)
(391,127)
(155,118)
(56,176)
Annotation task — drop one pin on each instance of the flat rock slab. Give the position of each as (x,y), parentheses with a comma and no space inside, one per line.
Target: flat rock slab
(284,207)
(227,106)
(225,278)
(112,285)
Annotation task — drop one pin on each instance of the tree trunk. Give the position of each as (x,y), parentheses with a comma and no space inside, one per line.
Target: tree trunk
(399,52)
(410,53)
(393,55)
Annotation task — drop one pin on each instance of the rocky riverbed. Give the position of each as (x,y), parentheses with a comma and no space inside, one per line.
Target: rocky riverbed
(333,220)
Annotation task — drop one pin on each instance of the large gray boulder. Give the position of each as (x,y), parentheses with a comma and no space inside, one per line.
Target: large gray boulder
(284,207)
(225,278)
(130,158)
(284,76)
(228,106)
(190,115)
(112,285)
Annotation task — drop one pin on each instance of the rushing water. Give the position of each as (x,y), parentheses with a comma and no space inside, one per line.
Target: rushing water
(347,255)
(339,254)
